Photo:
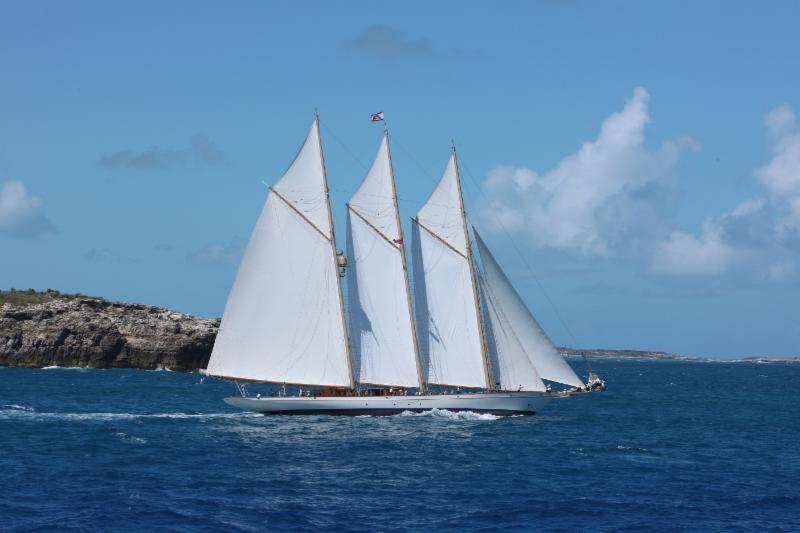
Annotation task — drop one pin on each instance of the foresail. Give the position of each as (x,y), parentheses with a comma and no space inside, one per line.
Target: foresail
(283,321)
(517,335)
(513,367)
(381,327)
(447,314)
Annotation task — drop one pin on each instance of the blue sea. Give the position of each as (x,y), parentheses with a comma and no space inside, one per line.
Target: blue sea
(670,445)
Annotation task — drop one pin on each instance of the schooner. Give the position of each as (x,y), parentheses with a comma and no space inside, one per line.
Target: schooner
(460,339)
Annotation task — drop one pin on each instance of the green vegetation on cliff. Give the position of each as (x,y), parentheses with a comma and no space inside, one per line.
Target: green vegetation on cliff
(30,297)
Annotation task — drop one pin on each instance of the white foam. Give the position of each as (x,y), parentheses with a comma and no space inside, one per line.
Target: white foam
(16,413)
(56,367)
(453,415)
(16,407)
(130,438)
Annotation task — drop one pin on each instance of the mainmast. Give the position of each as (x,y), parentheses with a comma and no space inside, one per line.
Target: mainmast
(402,246)
(335,256)
(479,311)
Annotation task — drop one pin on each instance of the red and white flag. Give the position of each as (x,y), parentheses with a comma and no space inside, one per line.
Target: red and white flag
(377,117)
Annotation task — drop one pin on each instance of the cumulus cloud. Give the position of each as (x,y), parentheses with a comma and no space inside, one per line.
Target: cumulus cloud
(607,199)
(217,254)
(760,237)
(201,151)
(388,45)
(21,213)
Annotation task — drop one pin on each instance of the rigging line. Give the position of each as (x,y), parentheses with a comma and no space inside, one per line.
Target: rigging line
(425,171)
(346,148)
(528,266)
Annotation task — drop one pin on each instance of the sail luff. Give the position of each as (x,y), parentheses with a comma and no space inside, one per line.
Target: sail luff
(402,244)
(332,239)
(479,311)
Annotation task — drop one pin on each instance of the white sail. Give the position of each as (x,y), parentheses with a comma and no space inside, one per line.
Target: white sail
(513,368)
(447,319)
(517,335)
(283,320)
(381,327)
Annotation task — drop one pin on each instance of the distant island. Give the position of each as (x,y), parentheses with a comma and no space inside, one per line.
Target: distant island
(50,328)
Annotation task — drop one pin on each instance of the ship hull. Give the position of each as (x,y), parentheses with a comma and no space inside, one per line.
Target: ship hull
(496,403)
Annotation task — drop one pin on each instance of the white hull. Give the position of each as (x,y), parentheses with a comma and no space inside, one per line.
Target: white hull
(498,403)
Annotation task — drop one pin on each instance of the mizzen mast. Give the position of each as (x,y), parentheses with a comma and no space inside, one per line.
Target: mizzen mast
(479,310)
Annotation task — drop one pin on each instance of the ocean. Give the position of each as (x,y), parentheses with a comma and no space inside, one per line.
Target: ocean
(671,445)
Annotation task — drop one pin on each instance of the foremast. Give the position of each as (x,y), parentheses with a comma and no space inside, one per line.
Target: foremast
(334,256)
(284,319)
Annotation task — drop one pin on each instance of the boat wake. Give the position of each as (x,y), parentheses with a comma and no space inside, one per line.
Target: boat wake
(452,415)
(19,412)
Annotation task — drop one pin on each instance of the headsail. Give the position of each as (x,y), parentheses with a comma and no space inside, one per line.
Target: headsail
(283,321)
(517,335)
(381,323)
(448,318)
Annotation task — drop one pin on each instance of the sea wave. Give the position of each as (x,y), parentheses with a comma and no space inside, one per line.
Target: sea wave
(452,415)
(16,407)
(130,438)
(56,367)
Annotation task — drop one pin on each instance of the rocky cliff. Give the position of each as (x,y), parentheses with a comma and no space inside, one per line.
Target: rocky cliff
(95,333)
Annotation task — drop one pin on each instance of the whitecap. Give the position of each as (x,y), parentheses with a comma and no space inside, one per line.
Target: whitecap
(130,438)
(452,415)
(56,367)
(16,407)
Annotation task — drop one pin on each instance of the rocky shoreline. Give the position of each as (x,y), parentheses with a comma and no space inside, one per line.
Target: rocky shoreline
(50,329)
(95,333)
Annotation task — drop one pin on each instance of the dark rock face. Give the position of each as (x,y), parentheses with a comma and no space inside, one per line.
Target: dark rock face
(100,334)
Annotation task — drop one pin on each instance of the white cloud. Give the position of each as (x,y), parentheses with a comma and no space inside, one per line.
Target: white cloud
(612,200)
(609,197)
(760,238)
(21,213)
(686,254)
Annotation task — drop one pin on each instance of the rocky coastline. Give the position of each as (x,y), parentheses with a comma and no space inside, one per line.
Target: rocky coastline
(41,329)
(79,331)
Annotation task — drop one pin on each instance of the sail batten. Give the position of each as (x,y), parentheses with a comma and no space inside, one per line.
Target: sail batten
(381,323)
(283,322)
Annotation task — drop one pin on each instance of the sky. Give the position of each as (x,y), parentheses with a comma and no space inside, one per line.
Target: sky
(635,166)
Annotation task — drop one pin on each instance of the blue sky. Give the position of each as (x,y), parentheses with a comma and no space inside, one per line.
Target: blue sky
(643,158)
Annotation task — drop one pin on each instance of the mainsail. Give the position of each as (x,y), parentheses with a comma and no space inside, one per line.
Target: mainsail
(523,352)
(284,319)
(381,323)
(448,321)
